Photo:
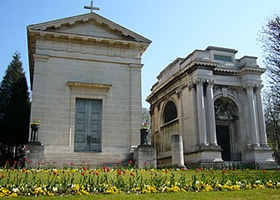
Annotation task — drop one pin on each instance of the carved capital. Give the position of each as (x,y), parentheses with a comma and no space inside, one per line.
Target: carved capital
(258,87)
(191,85)
(248,86)
(178,92)
(210,82)
(199,81)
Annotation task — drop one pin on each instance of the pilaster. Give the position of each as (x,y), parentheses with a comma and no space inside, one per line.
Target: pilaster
(261,121)
(252,114)
(211,113)
(135,103)
(193,92)
(201,113)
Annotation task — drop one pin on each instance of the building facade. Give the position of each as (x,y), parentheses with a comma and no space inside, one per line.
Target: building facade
(85,76)
(213,100)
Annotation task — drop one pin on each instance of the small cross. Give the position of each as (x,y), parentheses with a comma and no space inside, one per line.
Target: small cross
(91,7)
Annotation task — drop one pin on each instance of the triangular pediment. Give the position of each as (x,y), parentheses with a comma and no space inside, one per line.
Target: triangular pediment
(91,28)
(88,25)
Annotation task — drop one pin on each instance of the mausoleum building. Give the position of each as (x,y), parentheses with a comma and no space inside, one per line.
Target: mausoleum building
(213,101)
(85,74)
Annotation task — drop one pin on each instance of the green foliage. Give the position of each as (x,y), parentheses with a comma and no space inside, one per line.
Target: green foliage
(145,118)
(270,39)
(247,194)
(14,104)
(49,181)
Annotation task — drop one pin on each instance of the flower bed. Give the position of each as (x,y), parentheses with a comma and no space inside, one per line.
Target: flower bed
(84,180)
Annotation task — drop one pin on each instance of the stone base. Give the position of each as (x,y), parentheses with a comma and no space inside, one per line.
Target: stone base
(36,153)
(261,156)
(205,154)
(65,155)
(164,161)
(145,157)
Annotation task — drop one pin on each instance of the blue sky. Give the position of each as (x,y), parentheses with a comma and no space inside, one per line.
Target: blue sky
(176,28)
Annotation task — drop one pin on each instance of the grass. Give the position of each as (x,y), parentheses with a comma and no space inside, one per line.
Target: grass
(271,194)
(132,183)
(45,174)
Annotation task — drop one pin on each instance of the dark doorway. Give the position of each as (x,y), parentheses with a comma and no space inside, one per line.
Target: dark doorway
(88,125)
(223,140)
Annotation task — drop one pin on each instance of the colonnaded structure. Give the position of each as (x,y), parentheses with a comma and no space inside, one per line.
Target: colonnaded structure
(213,101)
(85,74)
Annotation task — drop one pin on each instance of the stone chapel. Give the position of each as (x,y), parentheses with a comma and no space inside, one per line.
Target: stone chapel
(213,101)
(85,74)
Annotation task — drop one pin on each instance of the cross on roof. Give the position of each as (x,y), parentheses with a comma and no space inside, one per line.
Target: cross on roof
(91,7)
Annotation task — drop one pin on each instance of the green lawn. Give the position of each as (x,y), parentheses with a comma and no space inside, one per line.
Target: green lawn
(270,194)
(122,183)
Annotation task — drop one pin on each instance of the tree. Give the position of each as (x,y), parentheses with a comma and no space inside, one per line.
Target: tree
(272,118)
(14,105)
(270,38)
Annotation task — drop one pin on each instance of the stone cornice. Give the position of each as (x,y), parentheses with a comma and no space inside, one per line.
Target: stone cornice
(226,71)
(242,71)
(42,58)
(183,72)
(86,38)
(85,18)
(159,99)
(74,84)
(135,66)
(168,88)
(156,90)
(199,65)
(253,70)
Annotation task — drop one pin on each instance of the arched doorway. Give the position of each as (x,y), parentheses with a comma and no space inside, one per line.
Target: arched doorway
(226,114)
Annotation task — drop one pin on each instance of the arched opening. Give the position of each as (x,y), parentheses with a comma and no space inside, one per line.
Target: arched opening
(169,125)
(170,112)
(226,114)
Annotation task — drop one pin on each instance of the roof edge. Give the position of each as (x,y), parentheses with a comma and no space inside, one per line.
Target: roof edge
(86,17)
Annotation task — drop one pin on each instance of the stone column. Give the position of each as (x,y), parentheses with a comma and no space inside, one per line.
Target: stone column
(261,121)
(211,113)
(252,114)
(201,113)
(193,92)
(177,151)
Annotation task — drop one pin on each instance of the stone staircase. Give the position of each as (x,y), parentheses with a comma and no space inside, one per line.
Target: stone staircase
(64,155)
(93,159)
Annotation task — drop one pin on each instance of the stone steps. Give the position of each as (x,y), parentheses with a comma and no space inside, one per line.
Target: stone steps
(87,158)
(62,155)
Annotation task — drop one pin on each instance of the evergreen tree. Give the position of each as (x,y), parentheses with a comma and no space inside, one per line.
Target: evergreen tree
(14,105)
(270,38)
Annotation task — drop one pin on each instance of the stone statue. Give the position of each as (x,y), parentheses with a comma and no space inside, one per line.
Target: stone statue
(223,112)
